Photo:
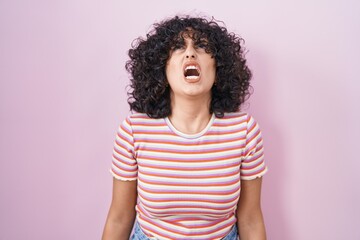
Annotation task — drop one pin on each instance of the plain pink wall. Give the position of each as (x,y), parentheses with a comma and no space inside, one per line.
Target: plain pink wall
(62,95)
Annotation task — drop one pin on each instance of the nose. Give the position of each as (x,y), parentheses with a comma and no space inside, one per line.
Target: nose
(190,52)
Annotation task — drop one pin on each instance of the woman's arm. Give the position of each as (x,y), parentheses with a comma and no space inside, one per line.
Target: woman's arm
(122,213)
(250,219)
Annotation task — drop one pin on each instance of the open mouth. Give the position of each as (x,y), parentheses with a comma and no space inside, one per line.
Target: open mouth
(191,72)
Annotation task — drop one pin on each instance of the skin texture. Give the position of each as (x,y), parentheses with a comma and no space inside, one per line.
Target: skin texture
(190,100)
(250,219)
(122,214)
(190,53)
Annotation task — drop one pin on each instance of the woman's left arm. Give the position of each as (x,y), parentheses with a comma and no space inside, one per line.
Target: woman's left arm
(250,219)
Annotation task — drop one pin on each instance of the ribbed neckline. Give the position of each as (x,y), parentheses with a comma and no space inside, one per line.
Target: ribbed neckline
(190,136)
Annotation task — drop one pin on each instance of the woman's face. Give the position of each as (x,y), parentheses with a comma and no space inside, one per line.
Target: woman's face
(190,70)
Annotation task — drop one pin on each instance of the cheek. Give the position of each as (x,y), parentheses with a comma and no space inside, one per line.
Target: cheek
(169,71)
(172,70)
(211,64)
(211,69)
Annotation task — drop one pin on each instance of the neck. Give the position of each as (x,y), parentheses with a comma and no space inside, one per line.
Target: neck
(190,116)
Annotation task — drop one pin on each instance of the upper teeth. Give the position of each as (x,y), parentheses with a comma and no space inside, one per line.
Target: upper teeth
(190,67)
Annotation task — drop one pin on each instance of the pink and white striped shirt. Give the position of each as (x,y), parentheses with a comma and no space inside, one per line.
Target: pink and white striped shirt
(188,185)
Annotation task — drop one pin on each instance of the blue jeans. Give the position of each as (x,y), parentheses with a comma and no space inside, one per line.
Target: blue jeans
(138,234)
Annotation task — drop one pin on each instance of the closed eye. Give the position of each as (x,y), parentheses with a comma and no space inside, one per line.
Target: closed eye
(201,46)
(178,45)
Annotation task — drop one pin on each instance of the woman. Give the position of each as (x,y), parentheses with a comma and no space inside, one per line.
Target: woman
(180,161)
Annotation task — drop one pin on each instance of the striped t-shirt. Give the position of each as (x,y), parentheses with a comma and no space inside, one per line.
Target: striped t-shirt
(188,185)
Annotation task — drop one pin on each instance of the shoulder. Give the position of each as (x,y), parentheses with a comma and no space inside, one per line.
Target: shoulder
(240,116)
(238,119)
(137,116)
(142,120)
(235,117)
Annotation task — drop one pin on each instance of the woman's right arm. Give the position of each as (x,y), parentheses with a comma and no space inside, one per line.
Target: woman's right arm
(121,216)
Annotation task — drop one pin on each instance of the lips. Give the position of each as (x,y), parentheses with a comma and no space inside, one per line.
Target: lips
(192,71)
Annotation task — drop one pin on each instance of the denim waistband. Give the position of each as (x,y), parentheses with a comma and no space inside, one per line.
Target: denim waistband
(138,234)
(232,235)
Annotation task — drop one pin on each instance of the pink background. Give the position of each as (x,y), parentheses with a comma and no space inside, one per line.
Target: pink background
(62,96)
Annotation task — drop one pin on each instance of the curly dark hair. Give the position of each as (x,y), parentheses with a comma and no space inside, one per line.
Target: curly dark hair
(149,89)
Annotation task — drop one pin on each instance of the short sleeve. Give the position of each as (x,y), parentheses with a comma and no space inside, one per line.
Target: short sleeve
(124,166)
(253,164)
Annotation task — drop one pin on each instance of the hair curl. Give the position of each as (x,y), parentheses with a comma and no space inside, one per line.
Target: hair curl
(150,92)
